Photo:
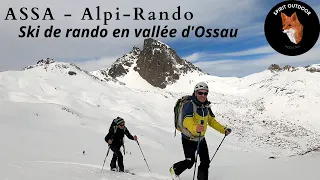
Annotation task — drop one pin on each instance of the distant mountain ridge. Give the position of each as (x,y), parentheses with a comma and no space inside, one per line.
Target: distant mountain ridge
(311,68)
(157,64)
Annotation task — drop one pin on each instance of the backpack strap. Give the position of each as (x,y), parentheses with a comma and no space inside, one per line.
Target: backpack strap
(185,132)
(115,129)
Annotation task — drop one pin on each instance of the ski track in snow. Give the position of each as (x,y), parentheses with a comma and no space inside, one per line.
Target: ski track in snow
(81,168)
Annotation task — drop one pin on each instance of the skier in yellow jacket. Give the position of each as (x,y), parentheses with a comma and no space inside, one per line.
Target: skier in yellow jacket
(193,113)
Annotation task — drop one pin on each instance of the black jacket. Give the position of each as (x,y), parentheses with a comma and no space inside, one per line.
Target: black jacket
(117,137)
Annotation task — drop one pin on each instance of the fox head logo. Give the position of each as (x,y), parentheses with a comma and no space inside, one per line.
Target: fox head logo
(292,27)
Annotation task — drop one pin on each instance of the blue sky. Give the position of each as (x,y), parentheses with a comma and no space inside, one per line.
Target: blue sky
(217,50)
(248,53)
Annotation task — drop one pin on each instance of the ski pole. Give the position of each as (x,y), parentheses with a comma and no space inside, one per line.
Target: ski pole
(143,155)
(218,148)
(195,164)
(108,149)
(105,159)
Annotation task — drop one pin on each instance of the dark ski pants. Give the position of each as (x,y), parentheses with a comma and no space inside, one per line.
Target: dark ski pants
(190,148)
(117,155)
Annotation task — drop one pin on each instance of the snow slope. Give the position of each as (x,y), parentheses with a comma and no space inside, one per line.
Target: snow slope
(276,111)
(48,118)
(277,108)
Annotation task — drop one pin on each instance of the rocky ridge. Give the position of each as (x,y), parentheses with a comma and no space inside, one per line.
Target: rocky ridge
(277,68)
(50,64)
(157,63)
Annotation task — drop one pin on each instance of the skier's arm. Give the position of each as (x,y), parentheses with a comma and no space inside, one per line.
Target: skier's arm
(214,123)
(109,135)
(128,134)
(187,115)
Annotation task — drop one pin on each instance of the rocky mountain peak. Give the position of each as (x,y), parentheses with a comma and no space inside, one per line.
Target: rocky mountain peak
(156,62)
(277,68)
(135,51)
(42,62)
(313,68)
(160,65)
(121,66)
(310,68)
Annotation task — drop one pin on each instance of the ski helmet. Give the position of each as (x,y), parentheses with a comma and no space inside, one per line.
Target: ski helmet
(201,85)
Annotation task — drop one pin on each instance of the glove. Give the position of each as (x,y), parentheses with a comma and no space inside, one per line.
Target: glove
(109,141)
(228,131)
(199,128)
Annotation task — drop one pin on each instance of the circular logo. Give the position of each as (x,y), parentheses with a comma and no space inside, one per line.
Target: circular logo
(292,28)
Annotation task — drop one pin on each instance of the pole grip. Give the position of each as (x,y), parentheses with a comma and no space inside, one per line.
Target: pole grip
(201,122)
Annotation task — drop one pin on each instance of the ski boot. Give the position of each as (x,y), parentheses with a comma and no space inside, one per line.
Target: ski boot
(113,169)
(173,174)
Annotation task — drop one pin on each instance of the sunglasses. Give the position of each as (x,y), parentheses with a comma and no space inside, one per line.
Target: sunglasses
(121,125)
(203,93)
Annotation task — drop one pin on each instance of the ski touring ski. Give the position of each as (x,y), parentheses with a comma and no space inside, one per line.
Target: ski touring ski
(129,172)
(125,171)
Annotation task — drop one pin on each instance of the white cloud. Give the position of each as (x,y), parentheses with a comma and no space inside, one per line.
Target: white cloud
(92,65)
(199,56)
(255,51)
(17,53)
(266,49)
(194,57)
(239,68)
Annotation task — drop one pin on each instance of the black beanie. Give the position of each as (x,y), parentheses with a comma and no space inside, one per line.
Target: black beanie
(119,120)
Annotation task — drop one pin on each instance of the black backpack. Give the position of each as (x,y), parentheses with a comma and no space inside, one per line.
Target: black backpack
(178,121)
(114,126)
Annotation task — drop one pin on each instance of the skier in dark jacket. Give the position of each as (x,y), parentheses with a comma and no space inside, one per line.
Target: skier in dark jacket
(115,140)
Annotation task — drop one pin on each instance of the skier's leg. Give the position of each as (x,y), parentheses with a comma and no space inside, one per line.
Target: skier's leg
(204,161)
(120,161)
(113,164)
(189,148)
(118,156)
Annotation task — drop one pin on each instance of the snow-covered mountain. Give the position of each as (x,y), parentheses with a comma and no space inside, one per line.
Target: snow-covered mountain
(53,111)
